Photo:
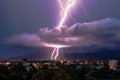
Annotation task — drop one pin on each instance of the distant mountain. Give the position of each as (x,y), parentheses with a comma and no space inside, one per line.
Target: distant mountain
(38,55)
(94,56)
(102,55)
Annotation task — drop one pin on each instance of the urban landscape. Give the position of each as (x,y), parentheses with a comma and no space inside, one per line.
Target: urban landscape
(60,70)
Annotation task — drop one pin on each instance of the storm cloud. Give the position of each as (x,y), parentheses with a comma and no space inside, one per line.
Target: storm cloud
(105,32)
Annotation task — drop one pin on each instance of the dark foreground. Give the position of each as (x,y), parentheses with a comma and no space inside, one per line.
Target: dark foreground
(57,71)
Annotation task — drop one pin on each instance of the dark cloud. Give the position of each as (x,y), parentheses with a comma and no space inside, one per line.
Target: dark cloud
(103,33)
(28,40)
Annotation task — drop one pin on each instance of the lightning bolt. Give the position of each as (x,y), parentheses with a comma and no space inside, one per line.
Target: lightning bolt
(53,54)
(64,14)
(64,11)
(56,53)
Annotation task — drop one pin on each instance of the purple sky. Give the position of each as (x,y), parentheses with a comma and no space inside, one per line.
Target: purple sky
(28,16)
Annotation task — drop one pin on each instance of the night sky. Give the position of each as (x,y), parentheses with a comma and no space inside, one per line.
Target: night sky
(25,18)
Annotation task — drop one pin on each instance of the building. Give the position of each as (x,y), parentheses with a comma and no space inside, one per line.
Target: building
(113,64)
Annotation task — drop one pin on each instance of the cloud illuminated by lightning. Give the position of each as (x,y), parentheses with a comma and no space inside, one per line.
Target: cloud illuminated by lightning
(64,12)
(75,36)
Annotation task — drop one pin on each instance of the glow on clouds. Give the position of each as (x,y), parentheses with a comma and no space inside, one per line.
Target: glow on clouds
(102,32)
